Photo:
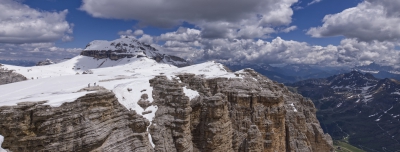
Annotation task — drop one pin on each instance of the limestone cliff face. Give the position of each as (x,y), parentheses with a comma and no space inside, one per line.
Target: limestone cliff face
(95,122)
(251,114)
(246,114)
(9,76)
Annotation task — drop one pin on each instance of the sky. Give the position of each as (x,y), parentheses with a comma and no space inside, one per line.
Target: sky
(332,33)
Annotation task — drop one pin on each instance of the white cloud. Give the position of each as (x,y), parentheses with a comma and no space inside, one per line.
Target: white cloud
(36,51)
(146,39)
(314,2)
(138,32)
(216,19)
(21,24)
(131,33)
(187,43)
(289,29)
(182,34)
(370,20)
(352,51)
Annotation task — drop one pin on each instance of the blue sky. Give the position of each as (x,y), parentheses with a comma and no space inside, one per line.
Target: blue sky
(257,31)
(88,28)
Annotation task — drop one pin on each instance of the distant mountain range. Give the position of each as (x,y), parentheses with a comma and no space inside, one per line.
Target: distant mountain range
(290,73)
(297,72)
(357,107)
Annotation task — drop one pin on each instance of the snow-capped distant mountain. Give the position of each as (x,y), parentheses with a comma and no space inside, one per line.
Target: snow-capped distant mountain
(288,73)
(45,62)
(356,106)
(380,71)
(129,48)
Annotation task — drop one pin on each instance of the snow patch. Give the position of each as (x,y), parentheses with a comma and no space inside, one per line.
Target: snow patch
(190,93)
(389,109)
(373,115)
(396,93)
(294,108)
(1,142)
(55,90)
(340,104)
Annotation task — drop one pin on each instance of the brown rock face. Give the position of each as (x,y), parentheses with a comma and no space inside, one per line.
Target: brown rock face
(251,114)
(171,130)
(95,122)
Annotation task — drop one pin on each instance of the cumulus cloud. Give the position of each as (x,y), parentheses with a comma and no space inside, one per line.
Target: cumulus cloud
(370,20)
(216,18)
(288,29)
(21,24)
(187,43)
(131,33)
(182,34)
(36,51)
(352,51)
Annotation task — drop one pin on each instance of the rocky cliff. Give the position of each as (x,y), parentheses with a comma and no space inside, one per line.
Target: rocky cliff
(9,76)
(94,122)
(248,113)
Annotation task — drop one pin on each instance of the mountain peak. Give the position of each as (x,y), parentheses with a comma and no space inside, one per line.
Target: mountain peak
(353,78)
(129,48)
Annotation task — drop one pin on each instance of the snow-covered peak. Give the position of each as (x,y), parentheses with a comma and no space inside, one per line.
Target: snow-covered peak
(45,62)
(129,48)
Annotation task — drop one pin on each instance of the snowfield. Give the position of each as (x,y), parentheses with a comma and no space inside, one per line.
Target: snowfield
(128,78)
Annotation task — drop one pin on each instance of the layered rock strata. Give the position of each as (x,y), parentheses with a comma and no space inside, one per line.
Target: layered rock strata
(94,122)
(249,113)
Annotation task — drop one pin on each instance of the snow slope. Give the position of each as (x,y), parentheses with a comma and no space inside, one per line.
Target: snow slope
(59,83)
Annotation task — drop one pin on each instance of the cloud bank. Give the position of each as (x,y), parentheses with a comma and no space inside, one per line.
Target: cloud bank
(370,20)
(216,18)
(21,24)
(188,43)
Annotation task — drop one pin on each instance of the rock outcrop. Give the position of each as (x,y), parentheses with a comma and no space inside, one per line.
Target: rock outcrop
(94,122)
(9,76)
